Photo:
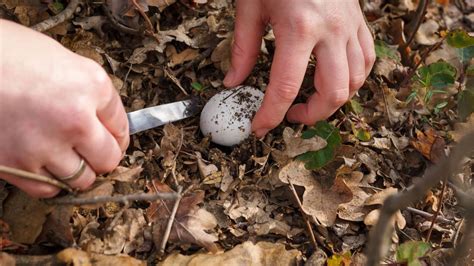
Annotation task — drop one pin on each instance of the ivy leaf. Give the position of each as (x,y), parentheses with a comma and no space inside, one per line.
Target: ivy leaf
(354,106)
(318,159)
(411,251)
(466,54)
(438,75)
(465,104)
(197,86)
(56,7)
(382,50)
(340,260)
(460,39)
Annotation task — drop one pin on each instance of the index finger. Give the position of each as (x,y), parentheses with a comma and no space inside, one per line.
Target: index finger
(288,69)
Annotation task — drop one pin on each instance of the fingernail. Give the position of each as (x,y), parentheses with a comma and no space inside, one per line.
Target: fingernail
(261,132)
(229,77)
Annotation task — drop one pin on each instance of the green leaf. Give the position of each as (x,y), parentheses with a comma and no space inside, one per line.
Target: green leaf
(470,70)
(382,50)
(362,134)
(466,54)
(439,74)
(56,7)
(460,39)
(465,104)
(411,251)
(339,260)
(318,159)
(442,80)
(197,86)
(354,106)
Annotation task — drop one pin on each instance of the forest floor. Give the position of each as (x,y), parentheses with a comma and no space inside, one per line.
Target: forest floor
(274,200)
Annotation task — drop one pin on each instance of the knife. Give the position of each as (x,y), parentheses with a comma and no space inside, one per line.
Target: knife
(156,116)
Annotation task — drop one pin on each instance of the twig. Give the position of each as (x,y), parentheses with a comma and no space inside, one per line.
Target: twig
(382,231)
(140,10)
(59,18)
(117,217)
(458,230)
(116,24)
(35,177)
(412,72)
(438,210)
(166,235)
(118,198)
(429,215)
(420,15)
(306,220)
(170,75)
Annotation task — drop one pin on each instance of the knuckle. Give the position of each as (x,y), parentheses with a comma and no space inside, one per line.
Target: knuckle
(286,91)
(336,24)
(303,25)
(357,80)
(337,98)
(78,120)
(98,78)
(370,58)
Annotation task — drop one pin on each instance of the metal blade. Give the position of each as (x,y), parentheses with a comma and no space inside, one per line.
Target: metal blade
(162,114)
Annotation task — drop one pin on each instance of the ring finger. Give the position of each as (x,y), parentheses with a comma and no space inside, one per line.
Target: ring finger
(68,164)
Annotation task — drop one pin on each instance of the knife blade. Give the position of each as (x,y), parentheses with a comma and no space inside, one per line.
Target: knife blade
(156,116)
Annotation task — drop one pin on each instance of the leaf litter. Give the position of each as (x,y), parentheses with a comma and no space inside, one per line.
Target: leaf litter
(236,201)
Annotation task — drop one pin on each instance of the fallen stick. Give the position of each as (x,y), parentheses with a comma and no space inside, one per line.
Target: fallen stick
(35,177)
(380,235)
(67,200)
(166,235)
(59,18)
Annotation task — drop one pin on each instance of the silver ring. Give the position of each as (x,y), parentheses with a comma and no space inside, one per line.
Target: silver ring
(79,171)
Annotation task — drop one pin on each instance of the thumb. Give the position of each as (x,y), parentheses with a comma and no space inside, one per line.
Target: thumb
(247,40)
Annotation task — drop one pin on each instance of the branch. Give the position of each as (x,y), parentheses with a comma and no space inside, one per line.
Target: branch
(59,18)
(35,177)
(419,16)
(166,235)
(67,200)
(382,231)
(306,220)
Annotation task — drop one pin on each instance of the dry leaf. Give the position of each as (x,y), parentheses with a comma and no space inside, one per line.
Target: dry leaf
(127,234)
(398,219)
(295,145)
(57,228)
(191,222)
(25,216)
(353,210)
(427,33)
(125,174)
(176,58)
(430,144)
(76,257)
(379,197)
(262,253)
(221,55)
(462,129)
(206,170)
(105,188)
(318,202)
(161,4)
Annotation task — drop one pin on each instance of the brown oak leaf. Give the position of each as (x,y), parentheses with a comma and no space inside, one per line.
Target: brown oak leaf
(190,224)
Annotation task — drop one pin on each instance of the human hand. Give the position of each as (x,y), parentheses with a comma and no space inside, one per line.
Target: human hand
(333,31)
(56,107)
